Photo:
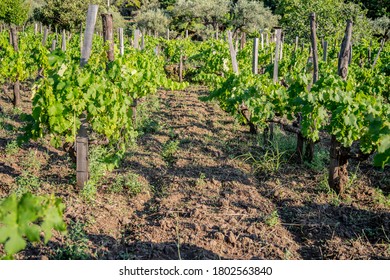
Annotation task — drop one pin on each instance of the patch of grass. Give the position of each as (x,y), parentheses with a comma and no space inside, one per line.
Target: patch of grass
(145,109)
(169,150)
(76,244)
(12,148)
(381,199)
(200,182)
(128,182)
(272,219)
(101,161)
(320,159)
(31,162)
(26,182)
(268,162)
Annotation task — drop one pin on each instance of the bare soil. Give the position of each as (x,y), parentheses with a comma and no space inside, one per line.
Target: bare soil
(206,201)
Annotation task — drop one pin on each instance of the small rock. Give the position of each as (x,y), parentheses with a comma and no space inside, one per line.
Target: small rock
(44,258)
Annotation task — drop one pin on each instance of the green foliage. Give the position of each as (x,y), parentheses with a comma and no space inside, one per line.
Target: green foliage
(272,219)
(26,218)
(169,150)
(154,20)
(26,182)
(12,148)
(71,14)
(251,16)
(129,183)
(76,244)
(331,17)
(14,11)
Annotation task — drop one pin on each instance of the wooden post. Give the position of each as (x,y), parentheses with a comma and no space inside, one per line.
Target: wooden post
(232,52)
(181,68)
(262,40)
(369,53)
(338,173)
(278,37)
(56,33)
(243,40)
(296,43)
(309,153)
(379,52)
(82,135)
(186,34)
(136,39)
(281,49)
(63,42)
(121,43)
(46,31)
(81,38)
(313,37)
(14,41)
(350,55)
(143,39)
(168,34)
(53,45)
(108,35)
(278,33)
(255,56)
(325,50)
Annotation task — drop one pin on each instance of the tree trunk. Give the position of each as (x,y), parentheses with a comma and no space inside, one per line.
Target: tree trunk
(338,173)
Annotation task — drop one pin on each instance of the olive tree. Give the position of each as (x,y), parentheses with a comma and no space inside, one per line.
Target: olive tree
(198,14)
(251,16)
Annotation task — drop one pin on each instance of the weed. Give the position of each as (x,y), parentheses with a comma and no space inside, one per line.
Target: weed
(269,162)
(169,150)
(381,199)
(320,160)
(12,148)
(272,219)
(128,182)
(200,182)
(26,182)
(101,160)
(31,161)
(352,178)
(89,190)
(76,245)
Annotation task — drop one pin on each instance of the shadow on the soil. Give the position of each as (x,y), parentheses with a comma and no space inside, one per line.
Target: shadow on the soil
(109,248)
(314,225)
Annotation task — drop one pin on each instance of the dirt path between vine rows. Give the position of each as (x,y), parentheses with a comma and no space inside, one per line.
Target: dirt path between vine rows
(204,200)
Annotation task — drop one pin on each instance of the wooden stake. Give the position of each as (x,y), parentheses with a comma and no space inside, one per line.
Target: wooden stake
(108,35)
(46,31)
(232,52)
(255,56)
(82,175)
(325,57)
(136,38)
(63,42)
(121,43)
(338,173)
(53,45)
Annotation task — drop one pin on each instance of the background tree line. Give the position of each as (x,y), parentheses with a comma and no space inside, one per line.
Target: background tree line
(202,18)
